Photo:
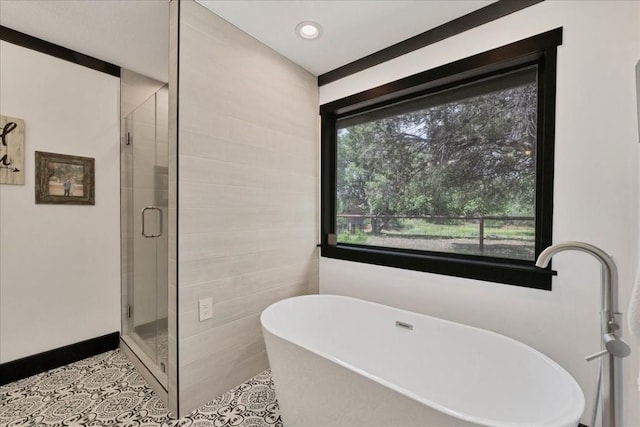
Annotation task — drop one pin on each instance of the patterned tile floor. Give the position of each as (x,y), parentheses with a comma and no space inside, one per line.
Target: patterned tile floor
(106,390)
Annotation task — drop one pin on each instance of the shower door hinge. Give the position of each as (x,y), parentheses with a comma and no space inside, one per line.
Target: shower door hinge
(129,311)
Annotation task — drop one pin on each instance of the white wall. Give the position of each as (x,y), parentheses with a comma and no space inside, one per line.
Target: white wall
(595,199)
(59,265)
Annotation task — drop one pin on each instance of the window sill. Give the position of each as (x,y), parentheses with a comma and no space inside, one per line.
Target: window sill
(511,272)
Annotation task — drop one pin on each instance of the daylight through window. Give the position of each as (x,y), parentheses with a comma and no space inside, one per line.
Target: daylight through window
(450,172)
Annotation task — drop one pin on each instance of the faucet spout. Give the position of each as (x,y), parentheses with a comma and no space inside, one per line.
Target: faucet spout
(612,344)
(609,270)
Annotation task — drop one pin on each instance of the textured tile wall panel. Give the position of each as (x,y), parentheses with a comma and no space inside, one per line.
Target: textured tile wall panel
(248,156)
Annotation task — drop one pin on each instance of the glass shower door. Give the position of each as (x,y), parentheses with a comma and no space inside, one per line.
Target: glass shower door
(144,205)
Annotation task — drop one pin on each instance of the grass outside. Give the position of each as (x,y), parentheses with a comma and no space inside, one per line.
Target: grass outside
(505,239)
(415,228)
(463,229)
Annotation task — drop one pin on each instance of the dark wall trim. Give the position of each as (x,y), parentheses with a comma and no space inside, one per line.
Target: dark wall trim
(517,53)
(459,25)
(24,40)
(41,362)
(468,267)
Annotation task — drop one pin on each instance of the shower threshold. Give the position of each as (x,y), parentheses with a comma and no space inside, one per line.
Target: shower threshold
(132,346)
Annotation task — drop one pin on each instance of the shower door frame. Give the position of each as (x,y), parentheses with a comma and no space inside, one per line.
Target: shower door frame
(146,358)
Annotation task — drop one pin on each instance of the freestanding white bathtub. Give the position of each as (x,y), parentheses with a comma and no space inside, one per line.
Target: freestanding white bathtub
(340,361)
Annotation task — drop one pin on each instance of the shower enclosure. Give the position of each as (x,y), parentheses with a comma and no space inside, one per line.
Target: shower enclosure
(144,210)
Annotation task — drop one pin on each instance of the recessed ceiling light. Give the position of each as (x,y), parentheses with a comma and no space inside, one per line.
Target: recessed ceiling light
(308,30)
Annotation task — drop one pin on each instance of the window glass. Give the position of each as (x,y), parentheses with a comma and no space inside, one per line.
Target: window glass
(452,171)
(449,170)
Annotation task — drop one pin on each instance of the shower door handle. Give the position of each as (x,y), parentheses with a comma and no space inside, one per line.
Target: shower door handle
(151,208)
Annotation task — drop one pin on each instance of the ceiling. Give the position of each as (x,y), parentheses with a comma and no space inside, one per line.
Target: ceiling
(350,29)
(134,33)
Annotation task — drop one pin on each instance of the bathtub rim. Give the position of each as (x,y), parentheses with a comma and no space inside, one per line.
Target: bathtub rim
(578,401)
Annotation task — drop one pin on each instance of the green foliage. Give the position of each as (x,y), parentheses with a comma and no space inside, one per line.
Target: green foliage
(473,157)
(63,171)
(463,229)
(360,237)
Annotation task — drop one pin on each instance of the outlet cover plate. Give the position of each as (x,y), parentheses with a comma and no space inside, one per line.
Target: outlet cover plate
(205,307)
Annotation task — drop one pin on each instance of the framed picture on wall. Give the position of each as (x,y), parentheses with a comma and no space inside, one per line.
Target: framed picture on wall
(11,150)
(64,179)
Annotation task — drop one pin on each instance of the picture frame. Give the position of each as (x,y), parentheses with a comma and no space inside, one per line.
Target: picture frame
(64,179)
(11,150)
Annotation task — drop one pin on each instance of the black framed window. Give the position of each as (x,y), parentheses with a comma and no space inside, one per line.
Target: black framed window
(448,171)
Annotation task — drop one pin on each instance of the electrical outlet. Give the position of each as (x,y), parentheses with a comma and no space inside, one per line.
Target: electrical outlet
(205,306)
